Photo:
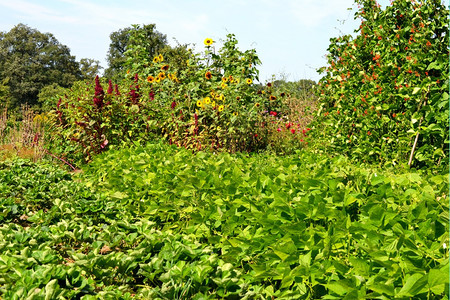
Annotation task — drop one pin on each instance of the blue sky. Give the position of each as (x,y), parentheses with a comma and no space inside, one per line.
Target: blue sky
(290,36)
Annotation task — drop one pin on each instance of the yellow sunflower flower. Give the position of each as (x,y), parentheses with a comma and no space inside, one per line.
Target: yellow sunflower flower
(199,103)
(223,85)
(249,81)
(224,79)
(160,57)
(156,59)
(220,108)
(208,42)
(207,100)
(162,75)
(151,79)
(235,113)
(213,104)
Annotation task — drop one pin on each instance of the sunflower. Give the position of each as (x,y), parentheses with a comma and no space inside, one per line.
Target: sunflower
(223,85)
(151,79)
(220,108)
(257,104)
(158,79)
(207,100)
(199,103)
(230,78)
(161,75)
(165,68)
(208,42)
(208,75)
(156,59)
(235,113)
(224,79)
(160,57)
(248,81)
(272,98)
(213,104)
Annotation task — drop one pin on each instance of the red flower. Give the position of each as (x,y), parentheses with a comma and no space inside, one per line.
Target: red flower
(293,130)
(173,105)
(110,87)
(99,93)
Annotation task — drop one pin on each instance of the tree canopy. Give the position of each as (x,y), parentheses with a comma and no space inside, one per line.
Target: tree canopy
(31,60)
(121,41)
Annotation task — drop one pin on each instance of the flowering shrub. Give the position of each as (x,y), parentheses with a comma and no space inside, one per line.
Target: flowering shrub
(384,93)
(208,101)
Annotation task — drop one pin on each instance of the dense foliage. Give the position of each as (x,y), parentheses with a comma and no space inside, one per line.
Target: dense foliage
(161,223)
(358,209)
(31,60)
(121,41)
(208,101)
(385,91)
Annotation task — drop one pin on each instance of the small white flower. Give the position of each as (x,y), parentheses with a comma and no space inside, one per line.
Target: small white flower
(444,246)
(375,174)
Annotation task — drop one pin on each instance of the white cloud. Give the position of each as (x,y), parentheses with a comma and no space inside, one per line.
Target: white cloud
(32,11)
(311,13)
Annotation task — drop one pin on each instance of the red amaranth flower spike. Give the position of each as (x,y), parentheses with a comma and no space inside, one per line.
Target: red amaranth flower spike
(99,93)
(110,88)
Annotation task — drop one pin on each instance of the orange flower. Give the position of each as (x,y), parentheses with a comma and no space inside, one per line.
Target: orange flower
(151,79)
(208,75)
(272,98)
(165,68)
(428,44)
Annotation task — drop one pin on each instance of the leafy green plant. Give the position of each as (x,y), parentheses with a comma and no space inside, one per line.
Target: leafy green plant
(384,93)
(208,101)
(160,222)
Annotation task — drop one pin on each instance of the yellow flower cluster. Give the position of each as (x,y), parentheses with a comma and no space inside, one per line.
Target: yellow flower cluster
(158,58)
(161,76)
(208,102)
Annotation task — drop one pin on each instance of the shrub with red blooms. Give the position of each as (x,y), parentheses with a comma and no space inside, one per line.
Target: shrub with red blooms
(398,53)
(90,121)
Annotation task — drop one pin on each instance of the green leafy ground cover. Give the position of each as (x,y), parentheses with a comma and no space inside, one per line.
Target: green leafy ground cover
(158,222)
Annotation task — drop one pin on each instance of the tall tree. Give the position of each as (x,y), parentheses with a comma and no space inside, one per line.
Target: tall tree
(89,68)
(122,39)
(31,60)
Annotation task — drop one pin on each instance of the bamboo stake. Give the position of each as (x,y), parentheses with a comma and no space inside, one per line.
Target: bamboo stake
(417,137)
(414,145)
